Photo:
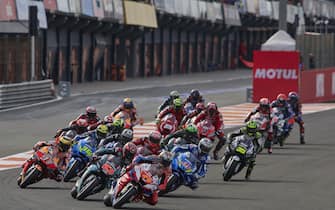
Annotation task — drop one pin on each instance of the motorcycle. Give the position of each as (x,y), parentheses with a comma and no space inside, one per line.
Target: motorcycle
(99,174)
(44,166)
(127,120)
(188,108)
(238,158)
(141,181)
(81,154)
(206,129)
(167,125)
(263,125)
(184,166)
(281,126)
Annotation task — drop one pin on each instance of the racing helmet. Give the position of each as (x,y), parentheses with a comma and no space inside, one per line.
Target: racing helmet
(205,145)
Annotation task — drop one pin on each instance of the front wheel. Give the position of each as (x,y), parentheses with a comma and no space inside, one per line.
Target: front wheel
(31,176)
(108,200)
(171,185)
(87,187)
(72,171)
(124,197)
(229,172)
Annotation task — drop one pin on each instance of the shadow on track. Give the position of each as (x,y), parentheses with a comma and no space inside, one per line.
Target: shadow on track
(48,188)
(270,181)
(93,200)
(188,196)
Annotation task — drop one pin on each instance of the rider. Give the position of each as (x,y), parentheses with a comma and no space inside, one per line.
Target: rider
(194,98)
(176,109)
(79,127)
(293,100)
(169,101)
(59,150)
(117,126)
(198,109)
(264,110)
(201,152)
(212,113)
(189,134)
(98,134)
(123,138)
(91,117)
(161,163)
(128,107)
(149,144)
(283,106)
(250,137)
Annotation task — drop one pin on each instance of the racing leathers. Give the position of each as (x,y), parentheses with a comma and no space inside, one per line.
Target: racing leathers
(296,108)
(188,137)
(92,122)
(202,159)
(178,113)
(146,147)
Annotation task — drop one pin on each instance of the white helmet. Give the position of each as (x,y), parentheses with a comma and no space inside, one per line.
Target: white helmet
(205,145)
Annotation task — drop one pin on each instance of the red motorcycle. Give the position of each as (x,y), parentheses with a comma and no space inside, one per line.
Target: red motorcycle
(44,166)
(140,182)
(206,129)
(168,125)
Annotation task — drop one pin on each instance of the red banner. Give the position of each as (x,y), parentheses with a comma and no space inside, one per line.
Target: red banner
(317,85)
(50,4)
(275,72)
(7,10)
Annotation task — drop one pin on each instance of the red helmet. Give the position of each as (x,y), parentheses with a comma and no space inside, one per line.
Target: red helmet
(155,137)
(129,151)
(264,104)
(211,109)
(91,111)
(281,98)
(200,106)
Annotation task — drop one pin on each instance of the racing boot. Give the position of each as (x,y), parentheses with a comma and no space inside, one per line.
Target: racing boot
(302,139)
(249,170)
(220,144)
(270,150)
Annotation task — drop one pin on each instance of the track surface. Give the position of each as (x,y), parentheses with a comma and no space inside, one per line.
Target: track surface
(295,177)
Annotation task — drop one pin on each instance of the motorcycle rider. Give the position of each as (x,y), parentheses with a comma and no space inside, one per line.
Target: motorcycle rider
(123,138)
(264,110)
(250,137)
(176,109)
(59,148)
(189,134)
(98,134)
(149,145)
(91,117)
(294,102)
(194,98)
(128,107)
(79,127)
(198,109)
(115,127)
(212,114)
(161,163)
(169,101)
(199,151)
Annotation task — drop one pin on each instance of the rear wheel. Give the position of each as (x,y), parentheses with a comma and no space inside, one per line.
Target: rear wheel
(72,171)
(30,177)
(230,171)
(124,197)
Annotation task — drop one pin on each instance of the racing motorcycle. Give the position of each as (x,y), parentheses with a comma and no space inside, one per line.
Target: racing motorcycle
(81,154)
(167,125)
(141,181)
(188,108)
(263,125)
(206,129)
(281,126)
(99,174)
(184,166)
(44,166)
(239,155)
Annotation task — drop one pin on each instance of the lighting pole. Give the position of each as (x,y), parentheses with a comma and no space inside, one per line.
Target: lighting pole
(283,15)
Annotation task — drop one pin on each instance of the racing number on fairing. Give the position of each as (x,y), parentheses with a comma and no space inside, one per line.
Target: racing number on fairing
(86,150)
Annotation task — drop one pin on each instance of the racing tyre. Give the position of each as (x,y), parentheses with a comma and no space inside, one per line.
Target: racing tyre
(124,197)
(31,177)
(230,171)
(87,187)
(170,186)
(72,171)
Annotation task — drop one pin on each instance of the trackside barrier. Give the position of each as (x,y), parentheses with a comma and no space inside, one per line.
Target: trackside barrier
(317,85)
(25,93)
(249,95)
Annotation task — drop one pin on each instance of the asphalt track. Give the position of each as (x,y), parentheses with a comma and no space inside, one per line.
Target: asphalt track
(294,177)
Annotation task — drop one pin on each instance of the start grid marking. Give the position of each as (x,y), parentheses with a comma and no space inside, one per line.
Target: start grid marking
(233,116)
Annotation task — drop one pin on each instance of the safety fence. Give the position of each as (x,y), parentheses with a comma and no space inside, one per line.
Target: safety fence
(20,94)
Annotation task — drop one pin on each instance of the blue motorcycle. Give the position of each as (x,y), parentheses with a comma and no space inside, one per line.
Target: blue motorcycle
(81,154)
(184,166)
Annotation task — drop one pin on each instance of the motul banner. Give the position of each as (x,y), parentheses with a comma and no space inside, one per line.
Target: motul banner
(275,72)
(317,85)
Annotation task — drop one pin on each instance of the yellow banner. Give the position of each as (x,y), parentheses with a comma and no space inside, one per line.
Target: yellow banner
(140,14)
